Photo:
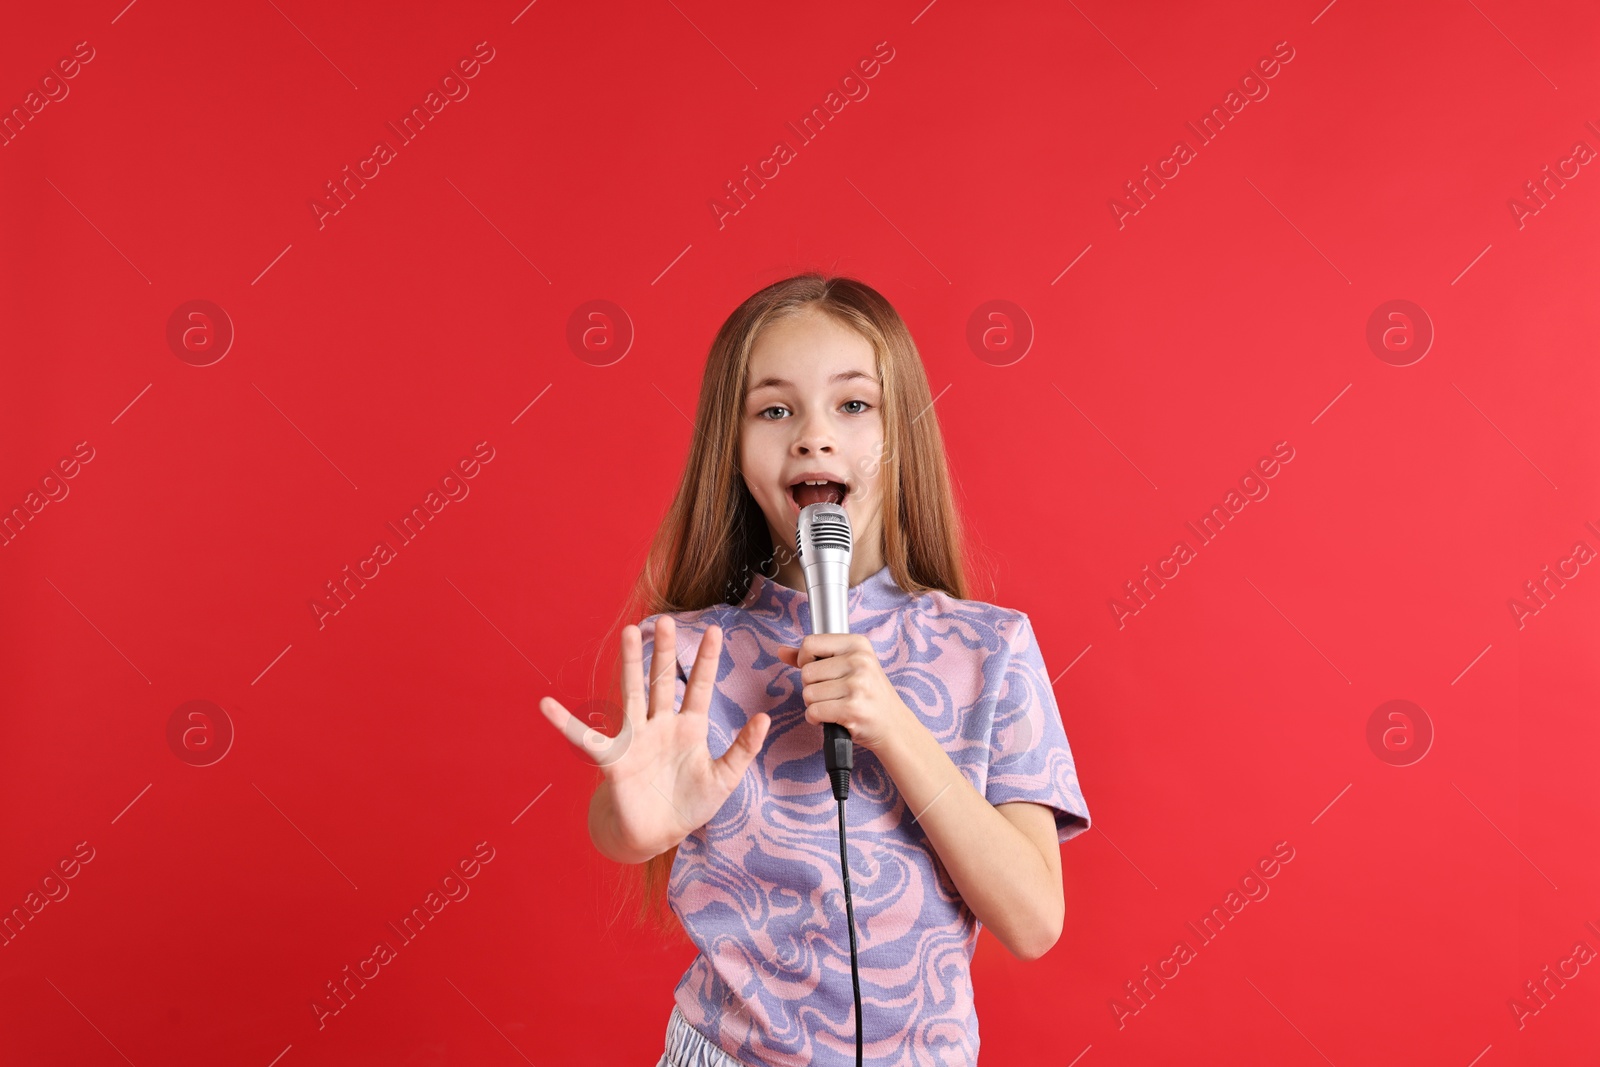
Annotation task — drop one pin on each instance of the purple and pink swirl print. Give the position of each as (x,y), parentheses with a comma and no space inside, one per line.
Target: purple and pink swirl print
(757,888)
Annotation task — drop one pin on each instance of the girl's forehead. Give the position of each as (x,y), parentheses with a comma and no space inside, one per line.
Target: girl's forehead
(807,335)
(806,362)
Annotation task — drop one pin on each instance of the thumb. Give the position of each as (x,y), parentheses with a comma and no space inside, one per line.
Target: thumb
(734,762)
(788,654)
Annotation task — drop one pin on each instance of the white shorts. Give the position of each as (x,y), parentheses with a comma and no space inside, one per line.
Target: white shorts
(688,1047)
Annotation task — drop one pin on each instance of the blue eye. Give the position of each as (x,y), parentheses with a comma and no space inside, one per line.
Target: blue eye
(779,407)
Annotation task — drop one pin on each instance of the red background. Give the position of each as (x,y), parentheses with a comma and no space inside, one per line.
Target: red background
(372,353)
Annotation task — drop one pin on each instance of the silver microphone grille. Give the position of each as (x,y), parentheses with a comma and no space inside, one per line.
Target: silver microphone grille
(830,528)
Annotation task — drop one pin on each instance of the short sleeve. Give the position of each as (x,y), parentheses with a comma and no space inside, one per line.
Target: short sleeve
(1029,757)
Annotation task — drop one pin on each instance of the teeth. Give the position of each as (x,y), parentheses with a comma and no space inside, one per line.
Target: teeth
(844,489)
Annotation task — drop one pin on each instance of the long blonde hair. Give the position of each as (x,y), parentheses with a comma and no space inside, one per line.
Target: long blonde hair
(714,535)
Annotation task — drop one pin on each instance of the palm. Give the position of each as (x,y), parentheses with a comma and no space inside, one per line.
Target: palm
(663,781)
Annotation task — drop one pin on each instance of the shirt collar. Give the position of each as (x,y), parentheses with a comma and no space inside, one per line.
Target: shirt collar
(874,595)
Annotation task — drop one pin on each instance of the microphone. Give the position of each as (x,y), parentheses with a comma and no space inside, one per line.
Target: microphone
(823,541)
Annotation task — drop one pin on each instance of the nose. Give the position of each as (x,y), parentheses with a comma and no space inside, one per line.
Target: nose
(813,435)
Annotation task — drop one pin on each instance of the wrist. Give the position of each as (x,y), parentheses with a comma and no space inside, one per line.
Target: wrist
(605,830)
(903,743)
(920,767)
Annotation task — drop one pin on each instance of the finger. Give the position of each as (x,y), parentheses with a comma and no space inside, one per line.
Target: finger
(731,765)
(697,697)
(823,670)
(597,746)
(833,689)
(787,654)
(633,692)
(818,646)
(554,713)
(827,711)
(663,668)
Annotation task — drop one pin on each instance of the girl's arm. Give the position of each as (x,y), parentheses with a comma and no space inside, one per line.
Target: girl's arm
(1005,859)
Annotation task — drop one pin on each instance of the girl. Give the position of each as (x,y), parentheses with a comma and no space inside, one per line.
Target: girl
(964,783)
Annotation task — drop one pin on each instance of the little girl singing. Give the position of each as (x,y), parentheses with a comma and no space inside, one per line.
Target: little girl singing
(964,784)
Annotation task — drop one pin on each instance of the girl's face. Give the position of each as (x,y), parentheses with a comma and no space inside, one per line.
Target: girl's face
(813,409)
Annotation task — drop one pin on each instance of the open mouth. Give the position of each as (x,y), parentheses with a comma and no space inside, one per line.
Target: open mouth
(805,494)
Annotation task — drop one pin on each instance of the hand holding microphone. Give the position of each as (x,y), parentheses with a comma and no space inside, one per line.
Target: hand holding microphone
(845,687)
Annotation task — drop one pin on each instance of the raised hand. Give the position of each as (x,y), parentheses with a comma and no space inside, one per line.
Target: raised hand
(660,782)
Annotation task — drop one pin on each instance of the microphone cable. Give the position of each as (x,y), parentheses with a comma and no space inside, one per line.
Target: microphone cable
(839,750)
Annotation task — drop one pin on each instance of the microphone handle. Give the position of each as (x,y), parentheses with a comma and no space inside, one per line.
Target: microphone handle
(838,755)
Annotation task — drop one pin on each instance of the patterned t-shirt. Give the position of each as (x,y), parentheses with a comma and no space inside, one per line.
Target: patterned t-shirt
(758,888)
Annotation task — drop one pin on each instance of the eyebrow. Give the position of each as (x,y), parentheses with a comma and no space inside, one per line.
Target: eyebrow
(842,376)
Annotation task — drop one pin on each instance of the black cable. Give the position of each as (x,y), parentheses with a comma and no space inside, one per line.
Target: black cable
(850,916)
(839,757)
